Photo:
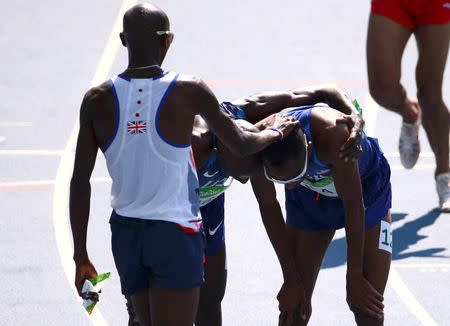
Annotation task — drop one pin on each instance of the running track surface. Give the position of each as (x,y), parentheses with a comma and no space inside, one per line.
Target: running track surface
(54,52)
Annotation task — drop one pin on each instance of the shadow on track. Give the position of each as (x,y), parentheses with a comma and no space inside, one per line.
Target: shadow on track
(403,238)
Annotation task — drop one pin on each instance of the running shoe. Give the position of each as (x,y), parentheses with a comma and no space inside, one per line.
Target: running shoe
(443,190)
(409,145)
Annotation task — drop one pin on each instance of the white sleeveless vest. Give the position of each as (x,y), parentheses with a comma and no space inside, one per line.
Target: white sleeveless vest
(153,178)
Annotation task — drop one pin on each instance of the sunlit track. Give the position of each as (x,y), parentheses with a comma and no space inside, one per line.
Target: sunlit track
(409,299)
(39,185)
(30,152)
(15,124)
(61,185)
(370,112)
(232,46)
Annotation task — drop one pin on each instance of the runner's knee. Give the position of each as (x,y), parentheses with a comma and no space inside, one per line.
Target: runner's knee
(430,99)
(387,93)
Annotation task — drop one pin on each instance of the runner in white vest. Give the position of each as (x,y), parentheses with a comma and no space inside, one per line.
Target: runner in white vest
(142,120)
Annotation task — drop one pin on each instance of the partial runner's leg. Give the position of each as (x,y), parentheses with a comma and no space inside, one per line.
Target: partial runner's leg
(433,44)
(386,41)
(173,307)
(132,318)
(140,302)
(377,262)
(212,291)
(308,249)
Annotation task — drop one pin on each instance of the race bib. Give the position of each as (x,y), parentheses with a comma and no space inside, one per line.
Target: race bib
(385,242)
(324,186)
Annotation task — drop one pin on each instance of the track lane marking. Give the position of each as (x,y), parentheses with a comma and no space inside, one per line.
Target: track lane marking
(396,282)
(422,265)
(45,182)
(15,124)
(61,187)
(31,152)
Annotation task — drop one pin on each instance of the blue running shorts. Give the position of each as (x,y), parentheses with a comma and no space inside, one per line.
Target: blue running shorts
(152,253)
(306,211)
(213,215)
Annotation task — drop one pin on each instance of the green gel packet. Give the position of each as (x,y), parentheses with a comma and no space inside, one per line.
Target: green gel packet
(91,288)
(357,106)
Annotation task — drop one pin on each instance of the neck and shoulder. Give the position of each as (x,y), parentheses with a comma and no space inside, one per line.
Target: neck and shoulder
(327,134)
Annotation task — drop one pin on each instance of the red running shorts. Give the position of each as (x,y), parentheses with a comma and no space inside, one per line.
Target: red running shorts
(411,13)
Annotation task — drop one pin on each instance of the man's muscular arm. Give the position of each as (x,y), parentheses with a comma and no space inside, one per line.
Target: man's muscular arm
(80,188)
(239,141)
(360,293)
(292,293)
(259,106)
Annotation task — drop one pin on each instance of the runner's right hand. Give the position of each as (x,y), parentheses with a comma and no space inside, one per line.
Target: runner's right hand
(84,270)
(284,124)
(293,304)
(362,296)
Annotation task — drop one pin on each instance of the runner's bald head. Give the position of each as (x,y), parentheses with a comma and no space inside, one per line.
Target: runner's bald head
(140,24)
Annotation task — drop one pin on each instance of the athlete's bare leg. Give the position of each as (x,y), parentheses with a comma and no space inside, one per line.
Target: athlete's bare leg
(212,291)
(308,249)
(140,303)
(377,263)
(386,41)
(433,43)
(132,319)
(166,307)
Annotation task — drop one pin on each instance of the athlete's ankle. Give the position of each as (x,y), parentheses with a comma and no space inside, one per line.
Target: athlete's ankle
(410,111)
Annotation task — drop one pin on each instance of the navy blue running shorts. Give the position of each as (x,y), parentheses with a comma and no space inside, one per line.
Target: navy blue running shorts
(308,212)
(152,253)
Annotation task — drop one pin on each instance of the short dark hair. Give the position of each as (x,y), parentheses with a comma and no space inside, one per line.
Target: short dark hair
(289,147)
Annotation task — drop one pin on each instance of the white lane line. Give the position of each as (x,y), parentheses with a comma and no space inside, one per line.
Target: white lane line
(13,184)
(409,299)
(30,152)
(370,113)
(395,281)
(63,175)
(16,124)
(423,265)
(416,167)
(421,155)
(47,182)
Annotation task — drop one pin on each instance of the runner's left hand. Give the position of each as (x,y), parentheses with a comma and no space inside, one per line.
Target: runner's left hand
(351,149)
(362,296)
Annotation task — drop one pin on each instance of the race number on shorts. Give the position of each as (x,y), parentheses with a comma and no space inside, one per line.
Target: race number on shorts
(385,237)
